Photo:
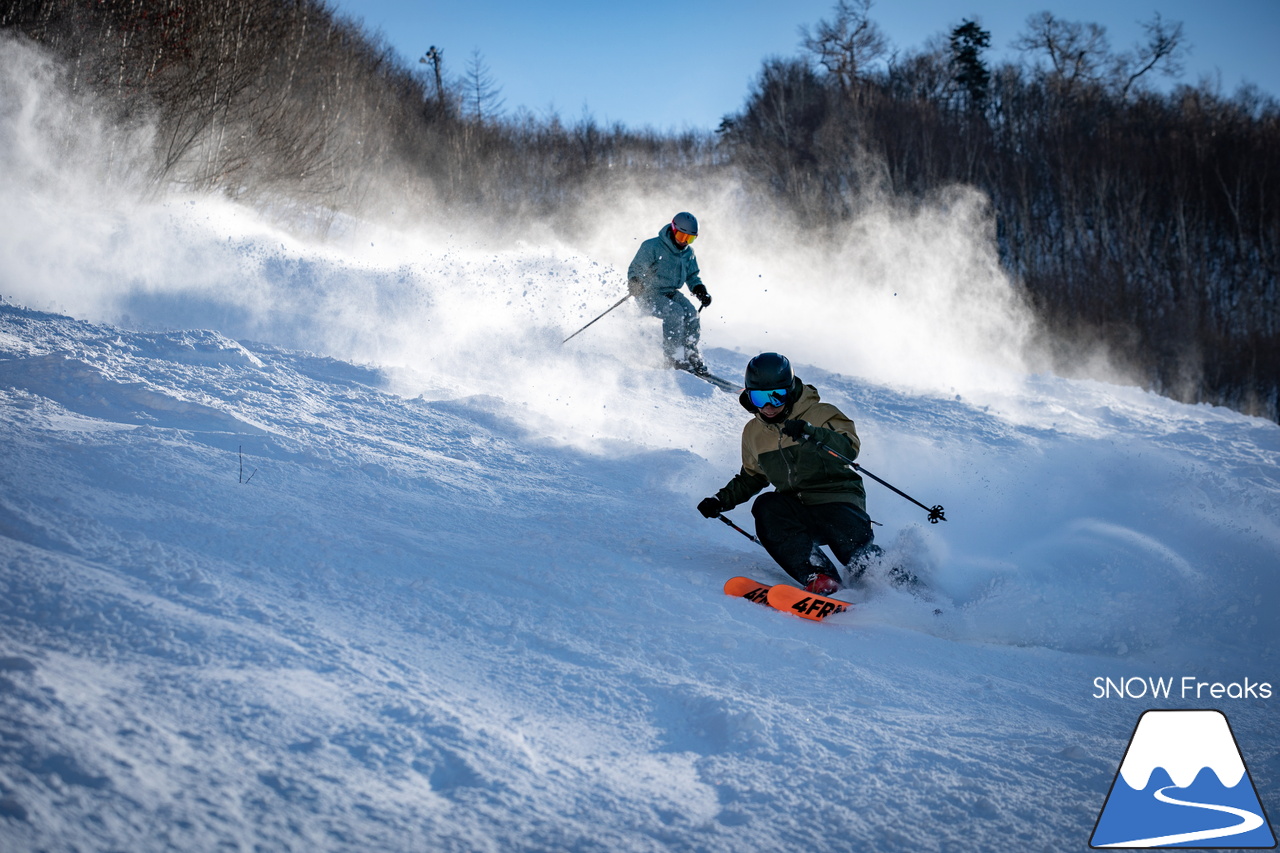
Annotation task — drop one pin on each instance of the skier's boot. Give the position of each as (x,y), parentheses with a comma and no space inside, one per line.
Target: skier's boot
(820,584)
(696,365)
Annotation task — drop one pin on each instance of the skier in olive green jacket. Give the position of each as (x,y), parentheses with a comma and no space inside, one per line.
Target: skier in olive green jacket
(817,500)
(660,268)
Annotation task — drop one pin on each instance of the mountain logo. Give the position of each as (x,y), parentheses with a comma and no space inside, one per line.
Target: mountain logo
(1182,783)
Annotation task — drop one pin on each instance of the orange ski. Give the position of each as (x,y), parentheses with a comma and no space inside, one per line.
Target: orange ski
(792,599)
(747,588)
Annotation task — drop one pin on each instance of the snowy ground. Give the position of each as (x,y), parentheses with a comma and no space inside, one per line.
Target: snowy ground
(337,548)
(423,624)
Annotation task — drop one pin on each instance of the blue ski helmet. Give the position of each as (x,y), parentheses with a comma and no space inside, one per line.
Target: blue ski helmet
(686,223)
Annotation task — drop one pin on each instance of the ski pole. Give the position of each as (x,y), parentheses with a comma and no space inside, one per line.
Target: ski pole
(584,328)
(935,512)
(739,529)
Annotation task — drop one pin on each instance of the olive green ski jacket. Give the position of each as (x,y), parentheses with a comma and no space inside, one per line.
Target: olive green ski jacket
(799,468)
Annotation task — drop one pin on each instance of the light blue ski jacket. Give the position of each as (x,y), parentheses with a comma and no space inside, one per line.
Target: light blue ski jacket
(661,268)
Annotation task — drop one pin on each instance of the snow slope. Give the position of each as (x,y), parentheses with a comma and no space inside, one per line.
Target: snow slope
(423,623)
(335,547)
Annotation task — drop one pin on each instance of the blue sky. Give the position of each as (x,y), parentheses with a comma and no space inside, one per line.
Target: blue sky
(674,65)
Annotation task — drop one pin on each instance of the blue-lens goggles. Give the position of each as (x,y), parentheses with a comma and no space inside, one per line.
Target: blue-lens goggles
(760,399)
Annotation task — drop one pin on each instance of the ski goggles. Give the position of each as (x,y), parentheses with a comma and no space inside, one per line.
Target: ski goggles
(688,238)
(777,397)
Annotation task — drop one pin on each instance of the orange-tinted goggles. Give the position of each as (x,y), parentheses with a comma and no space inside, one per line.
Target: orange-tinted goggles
(683,237)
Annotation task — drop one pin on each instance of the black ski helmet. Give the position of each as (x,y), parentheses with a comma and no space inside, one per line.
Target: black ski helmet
(686,223)
(768,371)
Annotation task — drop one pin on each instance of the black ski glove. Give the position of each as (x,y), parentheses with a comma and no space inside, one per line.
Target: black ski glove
(634,286)
(700,291)
(710,507)
(795,430)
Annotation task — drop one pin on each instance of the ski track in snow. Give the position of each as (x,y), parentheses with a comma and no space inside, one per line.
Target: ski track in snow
(422,624)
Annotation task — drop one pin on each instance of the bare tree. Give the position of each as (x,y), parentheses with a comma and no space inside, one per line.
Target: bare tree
(1078,53)
(481,95)
(849,44)
(1164,50)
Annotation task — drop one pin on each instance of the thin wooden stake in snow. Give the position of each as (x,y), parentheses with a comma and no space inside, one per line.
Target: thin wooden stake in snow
(243,479)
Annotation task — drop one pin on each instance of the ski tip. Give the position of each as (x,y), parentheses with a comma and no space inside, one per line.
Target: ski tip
(806,605)
(747,588)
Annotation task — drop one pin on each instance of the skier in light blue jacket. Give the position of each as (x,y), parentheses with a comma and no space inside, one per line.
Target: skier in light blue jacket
(661,267)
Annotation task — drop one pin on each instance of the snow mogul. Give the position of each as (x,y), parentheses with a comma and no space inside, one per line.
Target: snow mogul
(817,500)
(660,268)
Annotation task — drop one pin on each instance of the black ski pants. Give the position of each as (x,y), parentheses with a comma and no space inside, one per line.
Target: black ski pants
(792,532)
